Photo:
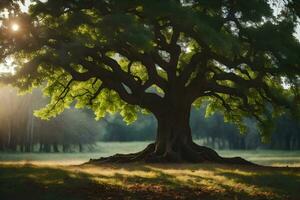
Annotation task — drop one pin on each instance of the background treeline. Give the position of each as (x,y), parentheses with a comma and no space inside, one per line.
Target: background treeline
(212,131)
(21,131)
(76,130)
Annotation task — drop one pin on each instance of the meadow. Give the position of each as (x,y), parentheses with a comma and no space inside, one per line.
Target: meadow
(103,149)
(145,181)
(61,176)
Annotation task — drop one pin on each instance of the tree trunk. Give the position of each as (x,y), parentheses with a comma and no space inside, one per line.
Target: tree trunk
(41,147)
(22,148)
(173,143)
(28,147)
(66,148)
(80,147)
(173,134)
(55,147)
(47,148)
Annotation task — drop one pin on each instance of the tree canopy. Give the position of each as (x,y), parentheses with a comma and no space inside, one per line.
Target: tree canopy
(241,57)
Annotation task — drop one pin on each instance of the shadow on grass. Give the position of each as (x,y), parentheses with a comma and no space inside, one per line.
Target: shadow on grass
(279,182)
(205,182)
(29,182)
(47,183)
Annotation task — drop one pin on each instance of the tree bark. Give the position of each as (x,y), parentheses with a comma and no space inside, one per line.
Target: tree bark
(173,134)
(55,147)
(173,142)
(80,147)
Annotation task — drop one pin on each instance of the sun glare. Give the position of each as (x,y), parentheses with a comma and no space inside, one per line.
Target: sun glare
(15,27)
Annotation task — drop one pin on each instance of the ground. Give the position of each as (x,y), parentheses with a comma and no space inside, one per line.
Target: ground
(145,181)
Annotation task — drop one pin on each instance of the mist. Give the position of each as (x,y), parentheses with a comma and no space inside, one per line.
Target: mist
(77,130)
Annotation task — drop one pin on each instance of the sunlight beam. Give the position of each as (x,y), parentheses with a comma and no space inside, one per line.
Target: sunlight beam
(15,27)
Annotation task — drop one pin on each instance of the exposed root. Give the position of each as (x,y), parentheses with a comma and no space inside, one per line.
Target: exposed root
(193,153)
(124,158)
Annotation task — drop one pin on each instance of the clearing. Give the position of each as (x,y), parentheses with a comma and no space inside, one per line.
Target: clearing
(148,181)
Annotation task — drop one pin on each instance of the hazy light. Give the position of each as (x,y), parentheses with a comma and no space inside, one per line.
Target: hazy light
(15,27)
(188,49)
(8,66)
(25,6)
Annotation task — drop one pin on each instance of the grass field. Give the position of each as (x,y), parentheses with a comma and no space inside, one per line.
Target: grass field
(102,149)
(58,176)
(138,181)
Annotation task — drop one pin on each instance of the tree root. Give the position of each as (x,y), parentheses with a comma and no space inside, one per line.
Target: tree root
(193,153)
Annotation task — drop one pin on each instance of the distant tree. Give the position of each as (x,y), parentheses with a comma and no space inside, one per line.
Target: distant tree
(160,57)
(141,130)
(286,136)
(219,134)
(21,131)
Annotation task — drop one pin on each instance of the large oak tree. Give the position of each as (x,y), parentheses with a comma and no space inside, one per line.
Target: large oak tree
(239,57)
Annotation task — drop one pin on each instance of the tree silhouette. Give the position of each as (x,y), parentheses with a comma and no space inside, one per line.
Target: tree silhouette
(161,57)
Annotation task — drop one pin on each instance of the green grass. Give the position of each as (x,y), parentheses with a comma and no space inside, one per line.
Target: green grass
(138,181)
(103,149)
(49,176)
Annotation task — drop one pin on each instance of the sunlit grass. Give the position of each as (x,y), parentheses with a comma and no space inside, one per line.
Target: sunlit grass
(211,178)
(57,175)
(181,180)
